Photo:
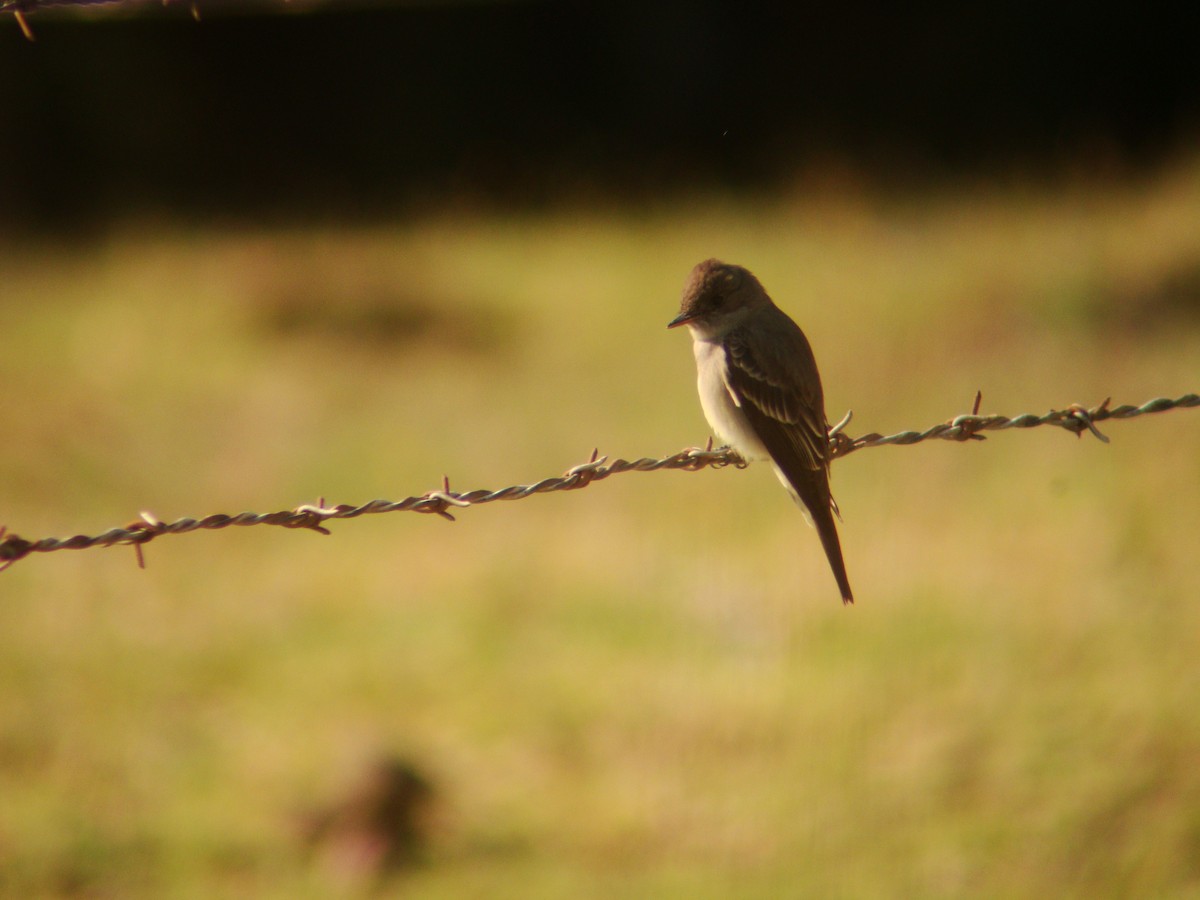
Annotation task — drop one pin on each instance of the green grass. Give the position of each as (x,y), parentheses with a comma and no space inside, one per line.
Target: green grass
(647,688)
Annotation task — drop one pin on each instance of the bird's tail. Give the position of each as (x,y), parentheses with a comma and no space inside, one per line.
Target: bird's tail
(827,531)
(812,496)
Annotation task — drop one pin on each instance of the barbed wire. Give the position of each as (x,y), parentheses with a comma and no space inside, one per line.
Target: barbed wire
(1074,418)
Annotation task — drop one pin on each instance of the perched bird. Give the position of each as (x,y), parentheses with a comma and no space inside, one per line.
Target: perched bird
(760,389)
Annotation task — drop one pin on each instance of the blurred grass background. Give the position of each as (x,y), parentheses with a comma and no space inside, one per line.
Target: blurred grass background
(303,250)
(647,688)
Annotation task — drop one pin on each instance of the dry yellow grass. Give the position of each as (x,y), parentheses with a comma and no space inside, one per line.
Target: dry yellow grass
(648,687)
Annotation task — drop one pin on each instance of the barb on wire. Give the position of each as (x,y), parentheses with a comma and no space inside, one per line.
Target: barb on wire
(1074,418)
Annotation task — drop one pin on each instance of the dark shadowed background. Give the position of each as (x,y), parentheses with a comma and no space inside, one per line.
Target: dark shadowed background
(359,109)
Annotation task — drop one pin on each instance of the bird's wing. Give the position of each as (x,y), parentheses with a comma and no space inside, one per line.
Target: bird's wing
(772,375)
(777,385)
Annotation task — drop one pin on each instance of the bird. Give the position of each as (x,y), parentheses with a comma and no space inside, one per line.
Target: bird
(761,391)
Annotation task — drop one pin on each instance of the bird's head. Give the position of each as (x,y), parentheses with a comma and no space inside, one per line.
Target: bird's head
(716,296)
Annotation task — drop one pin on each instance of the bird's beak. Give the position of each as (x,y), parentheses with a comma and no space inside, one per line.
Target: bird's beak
(682,319)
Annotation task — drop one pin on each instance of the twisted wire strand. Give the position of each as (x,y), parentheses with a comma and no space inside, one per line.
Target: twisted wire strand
(1074,418)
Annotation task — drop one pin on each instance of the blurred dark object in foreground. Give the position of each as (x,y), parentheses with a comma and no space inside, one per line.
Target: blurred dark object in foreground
(365,109)
(378,828)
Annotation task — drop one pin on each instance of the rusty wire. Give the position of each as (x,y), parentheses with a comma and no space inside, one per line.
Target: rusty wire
(1074,418)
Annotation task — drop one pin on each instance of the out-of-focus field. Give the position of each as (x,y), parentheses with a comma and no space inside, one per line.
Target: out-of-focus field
(647,688)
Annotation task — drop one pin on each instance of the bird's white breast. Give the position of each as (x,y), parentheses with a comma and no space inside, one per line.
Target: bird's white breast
(724,415)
